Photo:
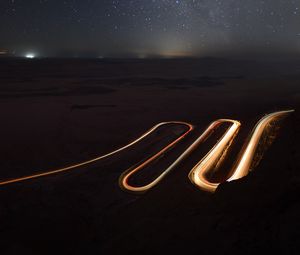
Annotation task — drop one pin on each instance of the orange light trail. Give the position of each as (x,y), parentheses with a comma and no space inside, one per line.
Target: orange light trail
(72,167)
(242,168)
(199,172)
(124,178)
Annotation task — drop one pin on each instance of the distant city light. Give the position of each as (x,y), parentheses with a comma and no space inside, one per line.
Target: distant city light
(30,55)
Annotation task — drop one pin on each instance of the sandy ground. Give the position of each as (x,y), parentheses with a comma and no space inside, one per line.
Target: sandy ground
(58,112)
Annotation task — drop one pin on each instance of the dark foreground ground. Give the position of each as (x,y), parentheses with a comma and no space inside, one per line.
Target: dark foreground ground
(59,112)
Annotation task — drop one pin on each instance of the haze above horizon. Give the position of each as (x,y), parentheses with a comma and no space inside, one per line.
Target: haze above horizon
(150,28)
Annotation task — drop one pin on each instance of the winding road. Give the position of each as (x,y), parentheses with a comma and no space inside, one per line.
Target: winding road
(198,174)
(124,178)
(139,139)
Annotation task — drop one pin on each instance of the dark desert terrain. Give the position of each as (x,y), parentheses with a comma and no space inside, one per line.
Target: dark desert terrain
(57,112)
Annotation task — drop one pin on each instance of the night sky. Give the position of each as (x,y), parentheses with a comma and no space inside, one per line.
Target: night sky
(150,28)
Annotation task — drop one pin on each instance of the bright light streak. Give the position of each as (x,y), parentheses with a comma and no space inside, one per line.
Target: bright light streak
(72,167)
(30,55)
(199,172)
(124,178)
(214,157)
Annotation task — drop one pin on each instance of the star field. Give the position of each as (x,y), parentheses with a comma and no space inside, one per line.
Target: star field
(150,27)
